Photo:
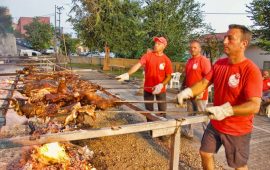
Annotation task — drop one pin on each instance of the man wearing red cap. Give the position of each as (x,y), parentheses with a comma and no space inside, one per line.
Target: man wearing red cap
(158,69)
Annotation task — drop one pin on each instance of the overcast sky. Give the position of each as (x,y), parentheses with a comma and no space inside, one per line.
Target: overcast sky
(220,22)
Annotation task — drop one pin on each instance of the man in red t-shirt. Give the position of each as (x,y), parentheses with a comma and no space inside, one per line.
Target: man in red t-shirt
(158,70)
(266,92)
(238,90)
(196,68)
(266,85)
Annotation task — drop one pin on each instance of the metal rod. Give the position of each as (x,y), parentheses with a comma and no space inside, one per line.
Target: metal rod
(121,101)
(10,98)
(11,89)
(147,101)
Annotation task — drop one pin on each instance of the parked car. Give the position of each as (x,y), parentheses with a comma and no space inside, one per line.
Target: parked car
(93,54)
(83,54)
(74,54)
(102,55)
(29,52)
(49,51)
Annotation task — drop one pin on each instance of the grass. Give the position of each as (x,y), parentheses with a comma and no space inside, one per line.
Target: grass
(137,75)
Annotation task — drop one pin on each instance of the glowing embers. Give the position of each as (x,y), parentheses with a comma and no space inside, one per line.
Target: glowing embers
(52,153)
(55,156)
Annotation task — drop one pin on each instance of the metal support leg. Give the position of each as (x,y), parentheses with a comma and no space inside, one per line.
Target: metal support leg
(175,149)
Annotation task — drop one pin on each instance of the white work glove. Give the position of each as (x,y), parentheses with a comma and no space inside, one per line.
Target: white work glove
(267,111)
(220,112)
(158,88)
(185,94)
(123,77)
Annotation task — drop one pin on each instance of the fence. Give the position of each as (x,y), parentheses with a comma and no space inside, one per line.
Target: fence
(120,62)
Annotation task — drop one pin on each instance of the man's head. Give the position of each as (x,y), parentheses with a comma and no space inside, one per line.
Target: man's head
(160,44)
(195,48)
(265,74)
(236,40)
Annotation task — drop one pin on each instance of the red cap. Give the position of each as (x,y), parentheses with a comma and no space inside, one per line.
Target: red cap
(161,40)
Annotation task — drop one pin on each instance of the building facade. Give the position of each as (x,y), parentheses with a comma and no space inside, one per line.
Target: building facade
(23,21)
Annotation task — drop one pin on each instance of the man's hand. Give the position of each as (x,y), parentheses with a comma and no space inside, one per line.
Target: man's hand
(185,94)
(220,112)
(158,88)
(123,77)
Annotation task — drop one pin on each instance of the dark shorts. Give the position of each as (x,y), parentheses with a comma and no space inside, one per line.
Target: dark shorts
(236,147)
(150,96)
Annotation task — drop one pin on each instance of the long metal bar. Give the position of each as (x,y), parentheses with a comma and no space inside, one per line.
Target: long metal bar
(121,101)
(147,101)
(144,112)
(8,74)
(34,64)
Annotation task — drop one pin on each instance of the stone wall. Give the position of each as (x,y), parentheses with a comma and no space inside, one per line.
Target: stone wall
(8,45)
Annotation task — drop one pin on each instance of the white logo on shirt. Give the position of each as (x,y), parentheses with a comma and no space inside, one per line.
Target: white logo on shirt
(234,80)
(268,84)
(162,66)
(195,66)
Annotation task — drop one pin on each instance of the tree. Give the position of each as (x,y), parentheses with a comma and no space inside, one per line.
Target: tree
(176,20)
(5,21)
(128,26)
(259,10)
(39,35)
(71,43)
(111,23)
(212,46)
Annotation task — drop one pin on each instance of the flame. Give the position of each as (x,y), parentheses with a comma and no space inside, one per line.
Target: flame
(54,153)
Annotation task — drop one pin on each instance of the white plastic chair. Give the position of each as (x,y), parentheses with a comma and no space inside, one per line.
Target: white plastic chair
(175,80)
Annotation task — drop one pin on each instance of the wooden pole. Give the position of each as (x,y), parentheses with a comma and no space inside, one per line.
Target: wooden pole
(175,149)
(106,61)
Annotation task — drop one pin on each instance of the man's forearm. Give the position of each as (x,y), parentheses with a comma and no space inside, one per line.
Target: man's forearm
(199,87)
(250,107)
(167,79)
(134,68)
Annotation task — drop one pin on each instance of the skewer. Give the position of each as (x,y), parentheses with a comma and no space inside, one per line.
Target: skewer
(147,101)
(134,111)
(12,98)
(12,89)
(146,111)
(127,101)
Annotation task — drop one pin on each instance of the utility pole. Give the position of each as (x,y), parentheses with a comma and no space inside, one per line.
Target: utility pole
(57,34)
(59,18)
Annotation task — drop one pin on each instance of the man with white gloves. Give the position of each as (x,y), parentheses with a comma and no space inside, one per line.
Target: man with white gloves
(158,70)
(237,97)
(196,68)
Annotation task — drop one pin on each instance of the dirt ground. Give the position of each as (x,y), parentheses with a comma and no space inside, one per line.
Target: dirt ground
(130,151)
(136,151)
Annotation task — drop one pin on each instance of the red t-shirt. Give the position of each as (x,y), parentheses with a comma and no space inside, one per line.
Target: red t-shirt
(266,84)
(156,68)
(235,83)
(196,69)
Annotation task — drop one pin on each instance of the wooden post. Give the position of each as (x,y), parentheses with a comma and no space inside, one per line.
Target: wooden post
(141,90)
(175,149)
(106,61)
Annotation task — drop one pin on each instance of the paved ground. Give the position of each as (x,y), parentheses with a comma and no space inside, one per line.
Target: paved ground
(260,143)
